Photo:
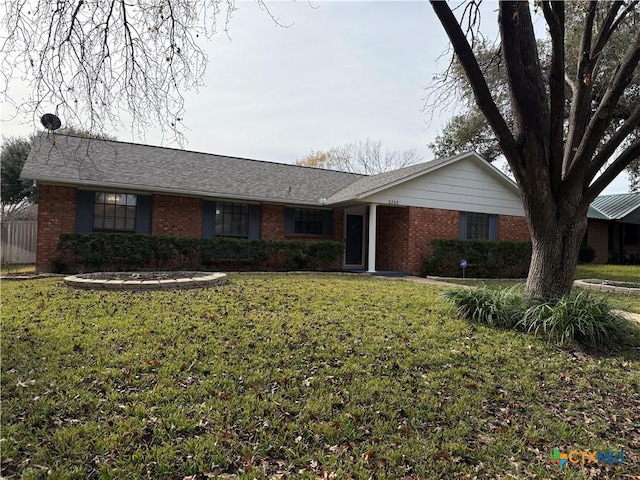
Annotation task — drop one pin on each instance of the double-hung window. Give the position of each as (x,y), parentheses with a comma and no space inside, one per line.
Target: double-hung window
(478,226)
(307,220)
(232,220)
(114,212)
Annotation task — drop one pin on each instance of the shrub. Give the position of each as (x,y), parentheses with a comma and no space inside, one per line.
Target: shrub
(118,251)
(487,259)
(496,307)
(577,317)
(586,254)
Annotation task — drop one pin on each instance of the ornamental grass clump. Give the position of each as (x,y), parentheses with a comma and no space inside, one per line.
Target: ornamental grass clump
(579,317)
(495,307)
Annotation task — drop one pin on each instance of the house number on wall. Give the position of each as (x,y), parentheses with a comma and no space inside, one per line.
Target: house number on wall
(393,202)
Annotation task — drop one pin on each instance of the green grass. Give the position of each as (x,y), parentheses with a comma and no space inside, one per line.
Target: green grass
(295,376)
(619,273)
(7,269)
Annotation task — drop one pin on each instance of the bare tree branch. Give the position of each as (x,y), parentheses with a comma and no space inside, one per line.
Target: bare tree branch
(604,113)
(91,62)
(631,153)
(476,79)
(609,148)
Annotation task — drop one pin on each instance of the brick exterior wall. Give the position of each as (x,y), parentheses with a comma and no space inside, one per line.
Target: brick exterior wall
(272,222)
(598,238)
(56,215)
(405,234)
(176,216)
(392,238)
(513,228)
(427,224)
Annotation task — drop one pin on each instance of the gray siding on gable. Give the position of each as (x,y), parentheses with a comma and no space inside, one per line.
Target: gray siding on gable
(463,186)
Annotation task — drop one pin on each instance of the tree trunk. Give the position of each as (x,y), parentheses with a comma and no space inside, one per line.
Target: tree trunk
(554,258)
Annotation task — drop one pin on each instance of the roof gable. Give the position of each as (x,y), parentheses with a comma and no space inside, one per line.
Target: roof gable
(371,185)
(614,207)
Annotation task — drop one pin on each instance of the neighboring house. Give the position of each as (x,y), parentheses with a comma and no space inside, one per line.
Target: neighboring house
(614,228)
(386,221)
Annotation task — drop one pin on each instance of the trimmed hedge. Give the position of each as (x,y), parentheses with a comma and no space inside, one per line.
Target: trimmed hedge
(486,259)
(587,254)
(122,252)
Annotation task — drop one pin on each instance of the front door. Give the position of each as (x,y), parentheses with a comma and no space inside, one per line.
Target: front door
(354,248)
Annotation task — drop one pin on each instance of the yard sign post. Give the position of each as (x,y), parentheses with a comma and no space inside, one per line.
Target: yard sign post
(463,265)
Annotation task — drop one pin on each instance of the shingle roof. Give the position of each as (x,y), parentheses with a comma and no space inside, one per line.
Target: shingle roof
(92,162)
(614,207)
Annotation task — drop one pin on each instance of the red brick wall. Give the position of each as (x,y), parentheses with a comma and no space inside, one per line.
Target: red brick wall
(176,216)
(513,228)
(56,215)
(426,224)
(392,238)
(405,238)
(272,222)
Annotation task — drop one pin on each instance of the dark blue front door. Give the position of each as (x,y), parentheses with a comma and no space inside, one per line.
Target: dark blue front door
(353,250)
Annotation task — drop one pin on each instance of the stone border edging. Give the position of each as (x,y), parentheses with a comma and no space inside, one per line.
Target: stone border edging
(210,280)
(604,287)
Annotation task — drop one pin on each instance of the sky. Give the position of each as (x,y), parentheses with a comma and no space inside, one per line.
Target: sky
(341,72)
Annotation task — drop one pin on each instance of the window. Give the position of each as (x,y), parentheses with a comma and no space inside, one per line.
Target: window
(232,220)
(478,226)
(114,212)
(307,220)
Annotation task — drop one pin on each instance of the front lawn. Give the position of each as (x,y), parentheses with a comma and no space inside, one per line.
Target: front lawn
(618,273)
(296,376)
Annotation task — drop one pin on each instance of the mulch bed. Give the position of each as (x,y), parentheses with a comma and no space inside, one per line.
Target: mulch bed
(142,276)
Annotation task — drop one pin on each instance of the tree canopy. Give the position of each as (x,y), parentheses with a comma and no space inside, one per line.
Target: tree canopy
(92,62)
(15,192)
(571,120)
(469,130)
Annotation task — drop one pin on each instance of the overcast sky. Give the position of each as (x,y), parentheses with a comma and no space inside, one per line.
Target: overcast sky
(342,72)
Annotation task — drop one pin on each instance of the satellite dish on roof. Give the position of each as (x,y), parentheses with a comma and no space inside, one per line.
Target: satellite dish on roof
(50,121)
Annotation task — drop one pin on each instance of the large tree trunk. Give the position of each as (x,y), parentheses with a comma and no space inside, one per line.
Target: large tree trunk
(554,257)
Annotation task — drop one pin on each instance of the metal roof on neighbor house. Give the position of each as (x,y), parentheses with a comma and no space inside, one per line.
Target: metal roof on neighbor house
(120,165)
(614,207)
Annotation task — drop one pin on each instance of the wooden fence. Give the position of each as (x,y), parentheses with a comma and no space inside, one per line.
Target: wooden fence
(18,241)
